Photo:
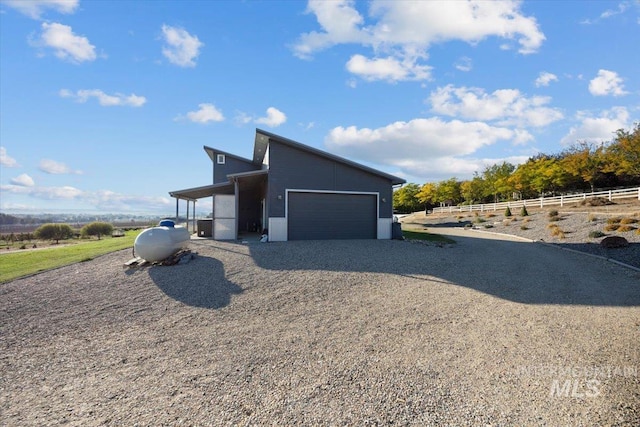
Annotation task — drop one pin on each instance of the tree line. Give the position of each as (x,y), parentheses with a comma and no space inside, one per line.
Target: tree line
(582,166)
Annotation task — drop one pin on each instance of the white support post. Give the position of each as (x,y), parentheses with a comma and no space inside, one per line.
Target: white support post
(610,196)
(561,200)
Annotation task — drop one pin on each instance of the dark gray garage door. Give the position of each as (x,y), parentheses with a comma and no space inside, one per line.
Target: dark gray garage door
(316,216)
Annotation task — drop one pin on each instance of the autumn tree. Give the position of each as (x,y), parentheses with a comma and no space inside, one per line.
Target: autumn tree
(586,161)
(405,200)
(427,194)
(448,191)
(496,178)
(623,155)
(472,190)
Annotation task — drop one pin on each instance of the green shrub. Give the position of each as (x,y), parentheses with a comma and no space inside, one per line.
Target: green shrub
(488,226)
(523,211)
(524,227)
(507,212)
(553,213)
(97,229)
(55,232)
(596,233)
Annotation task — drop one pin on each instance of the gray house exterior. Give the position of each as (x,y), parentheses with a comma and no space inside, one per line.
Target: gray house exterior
(297,192)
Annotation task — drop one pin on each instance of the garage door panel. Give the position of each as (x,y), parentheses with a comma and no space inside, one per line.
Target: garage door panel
(320,216)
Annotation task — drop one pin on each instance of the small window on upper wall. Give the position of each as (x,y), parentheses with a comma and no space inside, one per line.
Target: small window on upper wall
(220,159)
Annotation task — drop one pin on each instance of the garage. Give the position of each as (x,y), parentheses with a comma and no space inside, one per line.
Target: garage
(321,216)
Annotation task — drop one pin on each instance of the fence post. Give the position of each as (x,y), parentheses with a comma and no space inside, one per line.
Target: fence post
(638,193)
(561,200)
(541,202)
(482,205)
(610,198)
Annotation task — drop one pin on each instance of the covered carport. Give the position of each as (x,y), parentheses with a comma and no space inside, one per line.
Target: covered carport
(244,210)
(191,195)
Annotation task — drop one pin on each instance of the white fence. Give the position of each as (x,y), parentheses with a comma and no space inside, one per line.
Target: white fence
(626,193)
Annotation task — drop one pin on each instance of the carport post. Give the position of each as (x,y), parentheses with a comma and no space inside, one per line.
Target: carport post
(187,214)
(177,201)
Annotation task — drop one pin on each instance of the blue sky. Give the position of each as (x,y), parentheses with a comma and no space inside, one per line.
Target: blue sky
(106,105)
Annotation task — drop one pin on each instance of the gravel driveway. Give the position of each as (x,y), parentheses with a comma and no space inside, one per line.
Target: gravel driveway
(484,332)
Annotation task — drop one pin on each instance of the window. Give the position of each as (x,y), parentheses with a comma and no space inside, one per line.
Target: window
(220,159)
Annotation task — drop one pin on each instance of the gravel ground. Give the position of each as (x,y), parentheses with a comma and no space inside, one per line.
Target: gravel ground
(576,226)
(483,332)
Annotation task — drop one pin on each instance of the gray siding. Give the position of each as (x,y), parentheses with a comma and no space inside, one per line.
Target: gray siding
(232,165)
(350,216)
(297,169)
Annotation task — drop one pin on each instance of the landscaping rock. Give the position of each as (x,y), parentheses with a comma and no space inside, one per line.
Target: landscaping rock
(614,242)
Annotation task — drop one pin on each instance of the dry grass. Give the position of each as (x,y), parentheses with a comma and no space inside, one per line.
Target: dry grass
(625,228)
(611,227)
(628,221)
(614,220)
(592,217)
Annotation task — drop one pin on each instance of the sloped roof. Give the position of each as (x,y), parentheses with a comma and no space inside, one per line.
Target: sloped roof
(262,141)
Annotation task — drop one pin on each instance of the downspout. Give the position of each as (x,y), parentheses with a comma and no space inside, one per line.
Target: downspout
(236,190)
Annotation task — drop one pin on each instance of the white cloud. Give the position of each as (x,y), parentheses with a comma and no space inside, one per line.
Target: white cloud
(622,7)
(544,78)
(6,160)
(181,47)
(104,200)
(340,22)
(597,129)
(207,113)
(390,68)
(65,43)
(56,168)
(426,147)
(117,99)
(464,64)
(506,106)
(607,83)
(47,193)
(402,32)
(35,9)
(23,180)
(274,118)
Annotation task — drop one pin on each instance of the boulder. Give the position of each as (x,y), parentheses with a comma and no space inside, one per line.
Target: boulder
(614,242)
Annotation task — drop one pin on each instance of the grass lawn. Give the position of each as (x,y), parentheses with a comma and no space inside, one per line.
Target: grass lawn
(423,235)
(22,263)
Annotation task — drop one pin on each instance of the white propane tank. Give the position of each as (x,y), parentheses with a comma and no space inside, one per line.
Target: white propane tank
(160,242)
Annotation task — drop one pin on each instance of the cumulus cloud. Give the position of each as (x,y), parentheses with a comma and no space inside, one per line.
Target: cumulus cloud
(607,83)
(6,160)
(544,78)
(390,69)
(181,48)
(402,32)
(274,118)
(205,114)
(421,147)
(35,9)
(597,129)
(23,180)
(505,106)
(104,99)
(65,44)
(56,168)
